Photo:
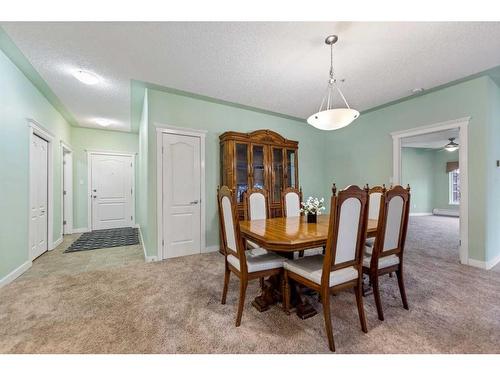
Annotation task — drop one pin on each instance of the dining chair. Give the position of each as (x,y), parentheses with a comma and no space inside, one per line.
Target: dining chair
(386,255)
(256,207)
(290,201)
(243,264)
(341,266)
(375,193)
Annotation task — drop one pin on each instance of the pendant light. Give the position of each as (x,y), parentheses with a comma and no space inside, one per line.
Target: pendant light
(452,146)
(329,118)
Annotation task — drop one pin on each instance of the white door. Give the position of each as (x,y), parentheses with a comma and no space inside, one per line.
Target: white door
(39,196)
(111,191)
(67,193)
(181,195)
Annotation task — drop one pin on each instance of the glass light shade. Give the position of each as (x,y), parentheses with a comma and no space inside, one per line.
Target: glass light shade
(451,148)
(333,118)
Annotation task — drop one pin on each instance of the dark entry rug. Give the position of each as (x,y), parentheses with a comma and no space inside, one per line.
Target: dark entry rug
(99,239)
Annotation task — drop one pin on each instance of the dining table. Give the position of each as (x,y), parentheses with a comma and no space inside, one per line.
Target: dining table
(287,236)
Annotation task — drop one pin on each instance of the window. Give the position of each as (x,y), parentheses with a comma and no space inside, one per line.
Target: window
(454,186)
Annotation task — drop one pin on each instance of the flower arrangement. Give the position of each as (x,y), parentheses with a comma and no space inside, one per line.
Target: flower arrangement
(313,206)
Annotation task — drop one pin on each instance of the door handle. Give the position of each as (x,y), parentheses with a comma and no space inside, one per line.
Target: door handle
(194,202)
(95,196)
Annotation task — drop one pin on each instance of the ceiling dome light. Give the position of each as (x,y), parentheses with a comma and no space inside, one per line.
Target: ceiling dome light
(103,122)
(452,146)
(329,118)
(86,77)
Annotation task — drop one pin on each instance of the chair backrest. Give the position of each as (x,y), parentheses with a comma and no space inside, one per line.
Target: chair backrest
(229,225)
(256,204)
(290,201)
(393,223)
(375,193)
(347,230)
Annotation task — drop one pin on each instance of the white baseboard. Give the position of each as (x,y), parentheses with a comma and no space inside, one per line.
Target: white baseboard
(15,274)
(56,243)
(80,230)
(420,213)
(147,258)
(492,263)
(484,265)
(210,249)
(476,263)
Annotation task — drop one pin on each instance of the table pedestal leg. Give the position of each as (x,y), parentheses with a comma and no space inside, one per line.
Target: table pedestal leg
(270,294)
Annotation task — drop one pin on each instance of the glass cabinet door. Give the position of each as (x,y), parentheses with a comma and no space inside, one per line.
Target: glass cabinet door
(291,168)
(258,171)
(277,174)
(241,157)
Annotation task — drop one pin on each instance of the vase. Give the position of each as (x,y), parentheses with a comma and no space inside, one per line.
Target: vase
(312,218)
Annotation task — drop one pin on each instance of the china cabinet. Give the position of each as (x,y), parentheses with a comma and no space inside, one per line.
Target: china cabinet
(261,159)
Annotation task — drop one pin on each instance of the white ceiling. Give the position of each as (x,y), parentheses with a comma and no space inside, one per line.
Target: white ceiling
(431,140)
(281,67)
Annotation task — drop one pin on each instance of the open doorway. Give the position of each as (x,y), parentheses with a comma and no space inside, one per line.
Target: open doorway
(433,161)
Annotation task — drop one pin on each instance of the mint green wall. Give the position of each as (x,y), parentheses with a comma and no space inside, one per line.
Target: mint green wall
(493,173)
(182,111)
(441,193)
(20,100)
(417,165)
(425,170)
(362,152)
(93,140)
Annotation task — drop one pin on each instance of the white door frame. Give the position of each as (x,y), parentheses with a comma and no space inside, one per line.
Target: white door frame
(65,148)
(35,129)
(91,153)
(462,125)
(167,129)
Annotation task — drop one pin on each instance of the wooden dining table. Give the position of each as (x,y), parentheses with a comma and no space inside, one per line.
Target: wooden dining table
(287,235)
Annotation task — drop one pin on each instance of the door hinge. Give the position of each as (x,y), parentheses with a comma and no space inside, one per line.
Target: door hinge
(131,164)
(162,149)
(131,193)
(64,192)
(162,243)
(131,218)
(64,222)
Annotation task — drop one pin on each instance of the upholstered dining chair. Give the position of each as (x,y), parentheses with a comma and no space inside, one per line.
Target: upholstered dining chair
(341,266)
(244,265)
(290,201)
(375,193)
(386,255)
(256,207)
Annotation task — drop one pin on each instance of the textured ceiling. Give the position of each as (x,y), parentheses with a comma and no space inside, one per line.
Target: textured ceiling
(280,67)
(431,140)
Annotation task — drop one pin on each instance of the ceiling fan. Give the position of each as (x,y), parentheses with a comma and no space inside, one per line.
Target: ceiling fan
(451,146)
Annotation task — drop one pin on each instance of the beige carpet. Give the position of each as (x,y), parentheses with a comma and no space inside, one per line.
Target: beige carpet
(173,307)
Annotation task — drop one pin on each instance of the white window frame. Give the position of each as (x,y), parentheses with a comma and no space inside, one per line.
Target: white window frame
(450,185)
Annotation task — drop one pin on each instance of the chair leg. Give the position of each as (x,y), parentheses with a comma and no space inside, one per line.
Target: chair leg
(261,282)
(358,290)
(226,284)
(401,284)
(286,293)
(325,299)
(241,304)
(301,253)
(376,295)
